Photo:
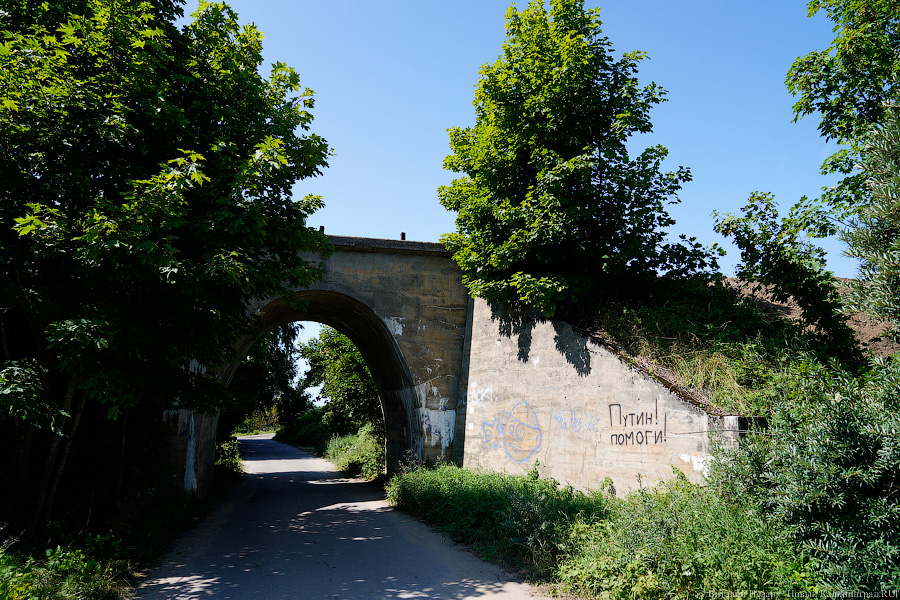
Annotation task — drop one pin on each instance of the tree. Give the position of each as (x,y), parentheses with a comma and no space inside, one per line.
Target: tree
(847,85)
(775,254)
(337,366)
(145,197)
(875,238)
(267,378)
(550,200)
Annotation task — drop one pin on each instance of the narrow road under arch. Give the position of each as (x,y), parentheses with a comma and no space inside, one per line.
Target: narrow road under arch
(295,528)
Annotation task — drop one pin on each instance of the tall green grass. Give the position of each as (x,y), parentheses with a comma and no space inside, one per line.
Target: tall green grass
(520,519)
(677,540)
(724,346)
(681,540)
(358,455)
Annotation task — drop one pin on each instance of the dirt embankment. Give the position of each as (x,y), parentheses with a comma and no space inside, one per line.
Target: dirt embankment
(868,330)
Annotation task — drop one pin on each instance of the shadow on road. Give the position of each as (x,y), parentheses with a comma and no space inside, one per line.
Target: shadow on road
(295,528)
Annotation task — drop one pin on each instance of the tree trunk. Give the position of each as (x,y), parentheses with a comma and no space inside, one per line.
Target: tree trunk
(50,466)
(61,461)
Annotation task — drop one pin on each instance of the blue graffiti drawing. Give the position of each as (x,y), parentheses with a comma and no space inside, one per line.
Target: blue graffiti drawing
(518,429)
(493,431)
(522,434)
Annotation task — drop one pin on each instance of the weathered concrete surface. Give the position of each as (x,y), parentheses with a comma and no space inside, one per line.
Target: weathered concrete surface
(295,529)
(404,306)
(191,441)
(545,393)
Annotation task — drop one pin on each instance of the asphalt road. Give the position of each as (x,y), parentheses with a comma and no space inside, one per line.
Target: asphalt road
(295,528)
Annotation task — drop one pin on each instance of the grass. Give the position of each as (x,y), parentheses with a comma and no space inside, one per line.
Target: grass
(519,520)
(725,347)
(358,455)
(677,540)
(65,573)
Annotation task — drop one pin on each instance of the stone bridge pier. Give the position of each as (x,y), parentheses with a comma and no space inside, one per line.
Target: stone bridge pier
(404,306)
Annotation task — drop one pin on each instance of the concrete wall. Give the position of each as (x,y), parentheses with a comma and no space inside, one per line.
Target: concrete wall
(539,391)
(460,383)
(191,441)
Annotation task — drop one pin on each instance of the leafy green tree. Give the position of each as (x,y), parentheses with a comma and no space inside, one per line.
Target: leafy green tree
(550,200)
(847,85)
(145,197)
(337,366)
(775,254)
(827,469)
(875,238)
(267,378)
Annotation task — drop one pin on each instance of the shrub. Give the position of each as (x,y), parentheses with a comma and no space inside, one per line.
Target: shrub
(259,421)
(306,429)
(63,574)
(680,540)
(510,518)
(228,456)
(677,540)
(828,469)
(358,455)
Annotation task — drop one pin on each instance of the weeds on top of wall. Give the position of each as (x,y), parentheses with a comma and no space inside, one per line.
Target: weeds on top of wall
(737,355)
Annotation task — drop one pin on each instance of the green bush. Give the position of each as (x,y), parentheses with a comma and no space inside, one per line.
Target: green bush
(358,455)
(677,540)
(306,429)
(827,469)
(228,456)
(63,574)
(681,540)
(262,420)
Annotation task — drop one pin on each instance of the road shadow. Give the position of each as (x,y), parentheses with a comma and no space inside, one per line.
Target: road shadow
(296,528)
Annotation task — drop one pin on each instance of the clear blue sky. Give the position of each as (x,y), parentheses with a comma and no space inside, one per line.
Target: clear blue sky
(390,77)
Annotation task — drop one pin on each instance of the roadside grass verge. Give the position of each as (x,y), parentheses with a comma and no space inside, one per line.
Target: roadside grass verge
(522,521)
(676,540)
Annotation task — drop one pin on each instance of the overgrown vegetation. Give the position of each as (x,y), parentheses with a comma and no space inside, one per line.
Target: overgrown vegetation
(348,427)
(518,519)
(347,388)
(145,190)
(827,471)
(358,455)
(708,338)
(675,541)
(145,196)
(65,574)
(550,204)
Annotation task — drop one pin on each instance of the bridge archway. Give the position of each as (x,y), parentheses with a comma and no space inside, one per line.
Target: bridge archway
(404,307)
(403,428)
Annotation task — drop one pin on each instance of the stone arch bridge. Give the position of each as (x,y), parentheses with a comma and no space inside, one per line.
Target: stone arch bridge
(457,385)
(404,306)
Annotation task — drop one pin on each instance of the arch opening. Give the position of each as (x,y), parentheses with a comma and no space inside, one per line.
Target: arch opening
(379,349)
